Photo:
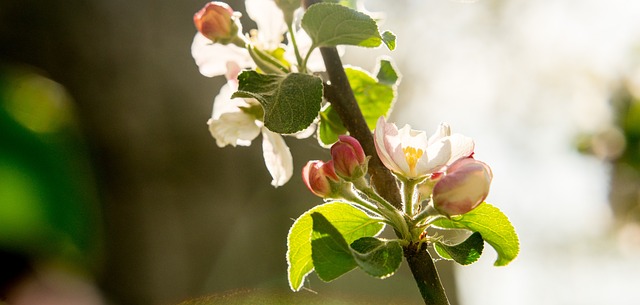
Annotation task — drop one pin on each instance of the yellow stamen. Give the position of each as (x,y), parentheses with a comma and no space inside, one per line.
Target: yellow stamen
(412,155)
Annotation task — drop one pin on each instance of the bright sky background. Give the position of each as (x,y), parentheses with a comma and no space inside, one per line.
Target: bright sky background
(524,78)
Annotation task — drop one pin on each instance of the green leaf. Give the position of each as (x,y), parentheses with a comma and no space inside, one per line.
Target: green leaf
(351,222)
(389,40)
(330,126)
(387,73)
(375,98)
(291,102)
(348,3)
(495,227)
(329,250)
(464,253)
(377,257)
(331,24)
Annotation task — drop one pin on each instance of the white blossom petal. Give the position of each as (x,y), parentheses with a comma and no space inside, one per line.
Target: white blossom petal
(435,157)
(223,102)
(461,147)
(444,130)
(305,133)
(277,157)
(212,58)
(270,21)
(387,143)
(233,128)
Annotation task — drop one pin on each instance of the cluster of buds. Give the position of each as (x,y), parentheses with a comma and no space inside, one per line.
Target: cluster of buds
(348,164)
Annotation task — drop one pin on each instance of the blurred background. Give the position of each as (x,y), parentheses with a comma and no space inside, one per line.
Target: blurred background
(112,191)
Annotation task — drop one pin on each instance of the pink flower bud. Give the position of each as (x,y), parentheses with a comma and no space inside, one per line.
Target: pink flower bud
(320,178)
(349,159)
(216,21)
(464,186)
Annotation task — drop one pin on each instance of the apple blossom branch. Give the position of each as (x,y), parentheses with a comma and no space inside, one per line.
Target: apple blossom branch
(341,97)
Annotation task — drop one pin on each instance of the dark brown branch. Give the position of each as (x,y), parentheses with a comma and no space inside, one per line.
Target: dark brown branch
(341,96)
(425,273)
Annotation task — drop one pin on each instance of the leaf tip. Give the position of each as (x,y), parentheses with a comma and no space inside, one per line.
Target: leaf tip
(389,40)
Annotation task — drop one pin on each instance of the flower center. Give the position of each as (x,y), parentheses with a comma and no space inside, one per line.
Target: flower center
(412,155)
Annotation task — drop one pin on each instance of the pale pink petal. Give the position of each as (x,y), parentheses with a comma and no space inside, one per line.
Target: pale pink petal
(435,157)
(212,58)
(461,147)
(383,135)
(233,70)
(277,157)
(444,130)
(270,21)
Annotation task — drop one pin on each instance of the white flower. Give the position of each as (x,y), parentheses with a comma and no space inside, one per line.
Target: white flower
(409,153)
(229,123)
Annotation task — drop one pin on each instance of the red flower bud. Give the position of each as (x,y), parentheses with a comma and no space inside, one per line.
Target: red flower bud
(216,21)
(349,159)
(320,178)
(464,186)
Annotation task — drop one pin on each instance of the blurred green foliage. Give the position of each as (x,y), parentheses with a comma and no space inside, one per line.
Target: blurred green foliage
(619,144)
(48,205)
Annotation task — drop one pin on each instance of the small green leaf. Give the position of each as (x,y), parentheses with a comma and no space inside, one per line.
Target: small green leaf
(351,222)
(375,98)
(377,257)
(291,102)
(331,24)
(329,250)
(387,73)
(348,3)
(464,253)
(389,40)
(330,126)
(495,227)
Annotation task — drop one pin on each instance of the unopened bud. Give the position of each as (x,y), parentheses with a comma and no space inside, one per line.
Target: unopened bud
(320,178)
(217,21)
(349,159)
(464,186)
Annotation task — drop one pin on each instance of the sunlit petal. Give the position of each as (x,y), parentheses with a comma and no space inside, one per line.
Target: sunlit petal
(461,147)
(270,21)
(305,133)
(386,141)
(277,157)
(223,102)
(444,130)
(234,128)
(212,58)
